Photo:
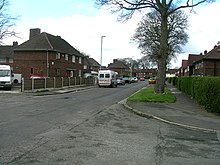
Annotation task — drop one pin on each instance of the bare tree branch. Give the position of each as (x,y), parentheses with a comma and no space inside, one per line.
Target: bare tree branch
(6,22)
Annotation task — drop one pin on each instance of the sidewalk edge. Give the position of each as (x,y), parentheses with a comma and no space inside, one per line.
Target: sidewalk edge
(150,116)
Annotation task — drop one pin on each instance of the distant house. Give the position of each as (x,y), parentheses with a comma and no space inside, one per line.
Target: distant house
(120,67)
(202,65)
(183,68)
(140,72)
(91,66)
(171,72)
(192,58)
(209,64)
(151,72)
(46,55)
(7,54)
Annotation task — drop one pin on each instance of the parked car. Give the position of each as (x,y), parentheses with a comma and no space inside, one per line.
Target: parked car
(120,81)
(152,80)
(134,79)
(142,79)
(127,80)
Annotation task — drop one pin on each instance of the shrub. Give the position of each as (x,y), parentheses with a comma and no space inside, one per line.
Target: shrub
(169,79)
(205,90)
(174,81)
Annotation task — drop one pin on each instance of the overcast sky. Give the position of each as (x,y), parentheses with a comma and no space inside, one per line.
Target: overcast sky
(81,24)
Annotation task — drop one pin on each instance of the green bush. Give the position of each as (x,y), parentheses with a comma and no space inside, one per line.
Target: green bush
(174,81)
(205,90)
(169,79)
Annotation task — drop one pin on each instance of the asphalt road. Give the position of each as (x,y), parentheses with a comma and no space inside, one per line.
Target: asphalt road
(90,127)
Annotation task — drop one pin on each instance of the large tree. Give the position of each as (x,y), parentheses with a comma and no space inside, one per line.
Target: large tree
(164,8)
(6,21)
(147,35)
(145,63)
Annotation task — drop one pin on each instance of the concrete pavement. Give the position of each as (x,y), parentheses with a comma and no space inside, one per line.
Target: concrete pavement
(53,91)
(184,112)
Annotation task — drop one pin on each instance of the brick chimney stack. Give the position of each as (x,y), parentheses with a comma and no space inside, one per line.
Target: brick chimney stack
(15,43)
(34,32)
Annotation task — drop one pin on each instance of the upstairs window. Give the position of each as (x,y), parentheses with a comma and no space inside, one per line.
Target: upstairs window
(80,60)
(73,58)
(66,57)
(58,55)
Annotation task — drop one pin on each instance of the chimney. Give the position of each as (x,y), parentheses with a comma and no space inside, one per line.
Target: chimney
(34,32)
(115,60)
(15,43)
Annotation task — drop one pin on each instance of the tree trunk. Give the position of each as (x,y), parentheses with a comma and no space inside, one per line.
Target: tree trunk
(162,56)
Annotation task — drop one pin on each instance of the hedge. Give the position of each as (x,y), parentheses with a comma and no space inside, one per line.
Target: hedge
(205,90)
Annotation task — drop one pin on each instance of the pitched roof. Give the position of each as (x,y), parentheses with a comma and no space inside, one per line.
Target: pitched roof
(172,71)
(6,51)
(45,41)
(93,62)
(213,54)
(118,64)
(194,57)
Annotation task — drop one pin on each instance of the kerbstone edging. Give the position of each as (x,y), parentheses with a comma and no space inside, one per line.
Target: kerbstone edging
(149,116)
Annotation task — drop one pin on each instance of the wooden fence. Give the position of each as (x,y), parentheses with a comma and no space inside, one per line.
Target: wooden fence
(55,82)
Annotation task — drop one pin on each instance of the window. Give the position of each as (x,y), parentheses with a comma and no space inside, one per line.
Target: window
(58,55)
(66,57)
(7,59)
(80,73)
(73,58)
(101,75)
(107,75)
(85,67)
(80,60)
(32,70)
(71,73)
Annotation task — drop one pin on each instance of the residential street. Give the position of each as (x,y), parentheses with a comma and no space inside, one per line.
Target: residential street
(90,127)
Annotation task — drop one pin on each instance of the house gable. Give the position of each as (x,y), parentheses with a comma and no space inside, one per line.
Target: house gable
(47,55)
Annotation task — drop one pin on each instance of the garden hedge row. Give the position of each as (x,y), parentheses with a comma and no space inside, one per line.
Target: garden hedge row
(205,90)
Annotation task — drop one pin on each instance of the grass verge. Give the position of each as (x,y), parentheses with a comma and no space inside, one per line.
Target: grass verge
(148,95)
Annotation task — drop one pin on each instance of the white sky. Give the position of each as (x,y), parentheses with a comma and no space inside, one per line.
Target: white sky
(81,24)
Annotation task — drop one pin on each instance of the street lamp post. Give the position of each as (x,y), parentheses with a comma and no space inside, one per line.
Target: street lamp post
(101,52)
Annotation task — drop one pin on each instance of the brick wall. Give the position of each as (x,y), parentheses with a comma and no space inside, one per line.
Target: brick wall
(30,63)
(212,67)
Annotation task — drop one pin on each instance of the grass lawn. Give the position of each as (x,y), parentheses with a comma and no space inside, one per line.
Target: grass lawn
(148,95)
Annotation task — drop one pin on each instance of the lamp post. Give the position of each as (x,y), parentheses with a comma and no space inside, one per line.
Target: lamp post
(101,52)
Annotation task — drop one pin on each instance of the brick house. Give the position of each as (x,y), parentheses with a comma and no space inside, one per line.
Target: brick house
(7,54)
(171,72)
(183,69)
(151,72)
(46,55)
(120,67)
(91,65)
(192,58)
(209,64)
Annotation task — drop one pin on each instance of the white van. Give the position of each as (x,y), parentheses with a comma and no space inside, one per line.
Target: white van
(107,78)
(6,80)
